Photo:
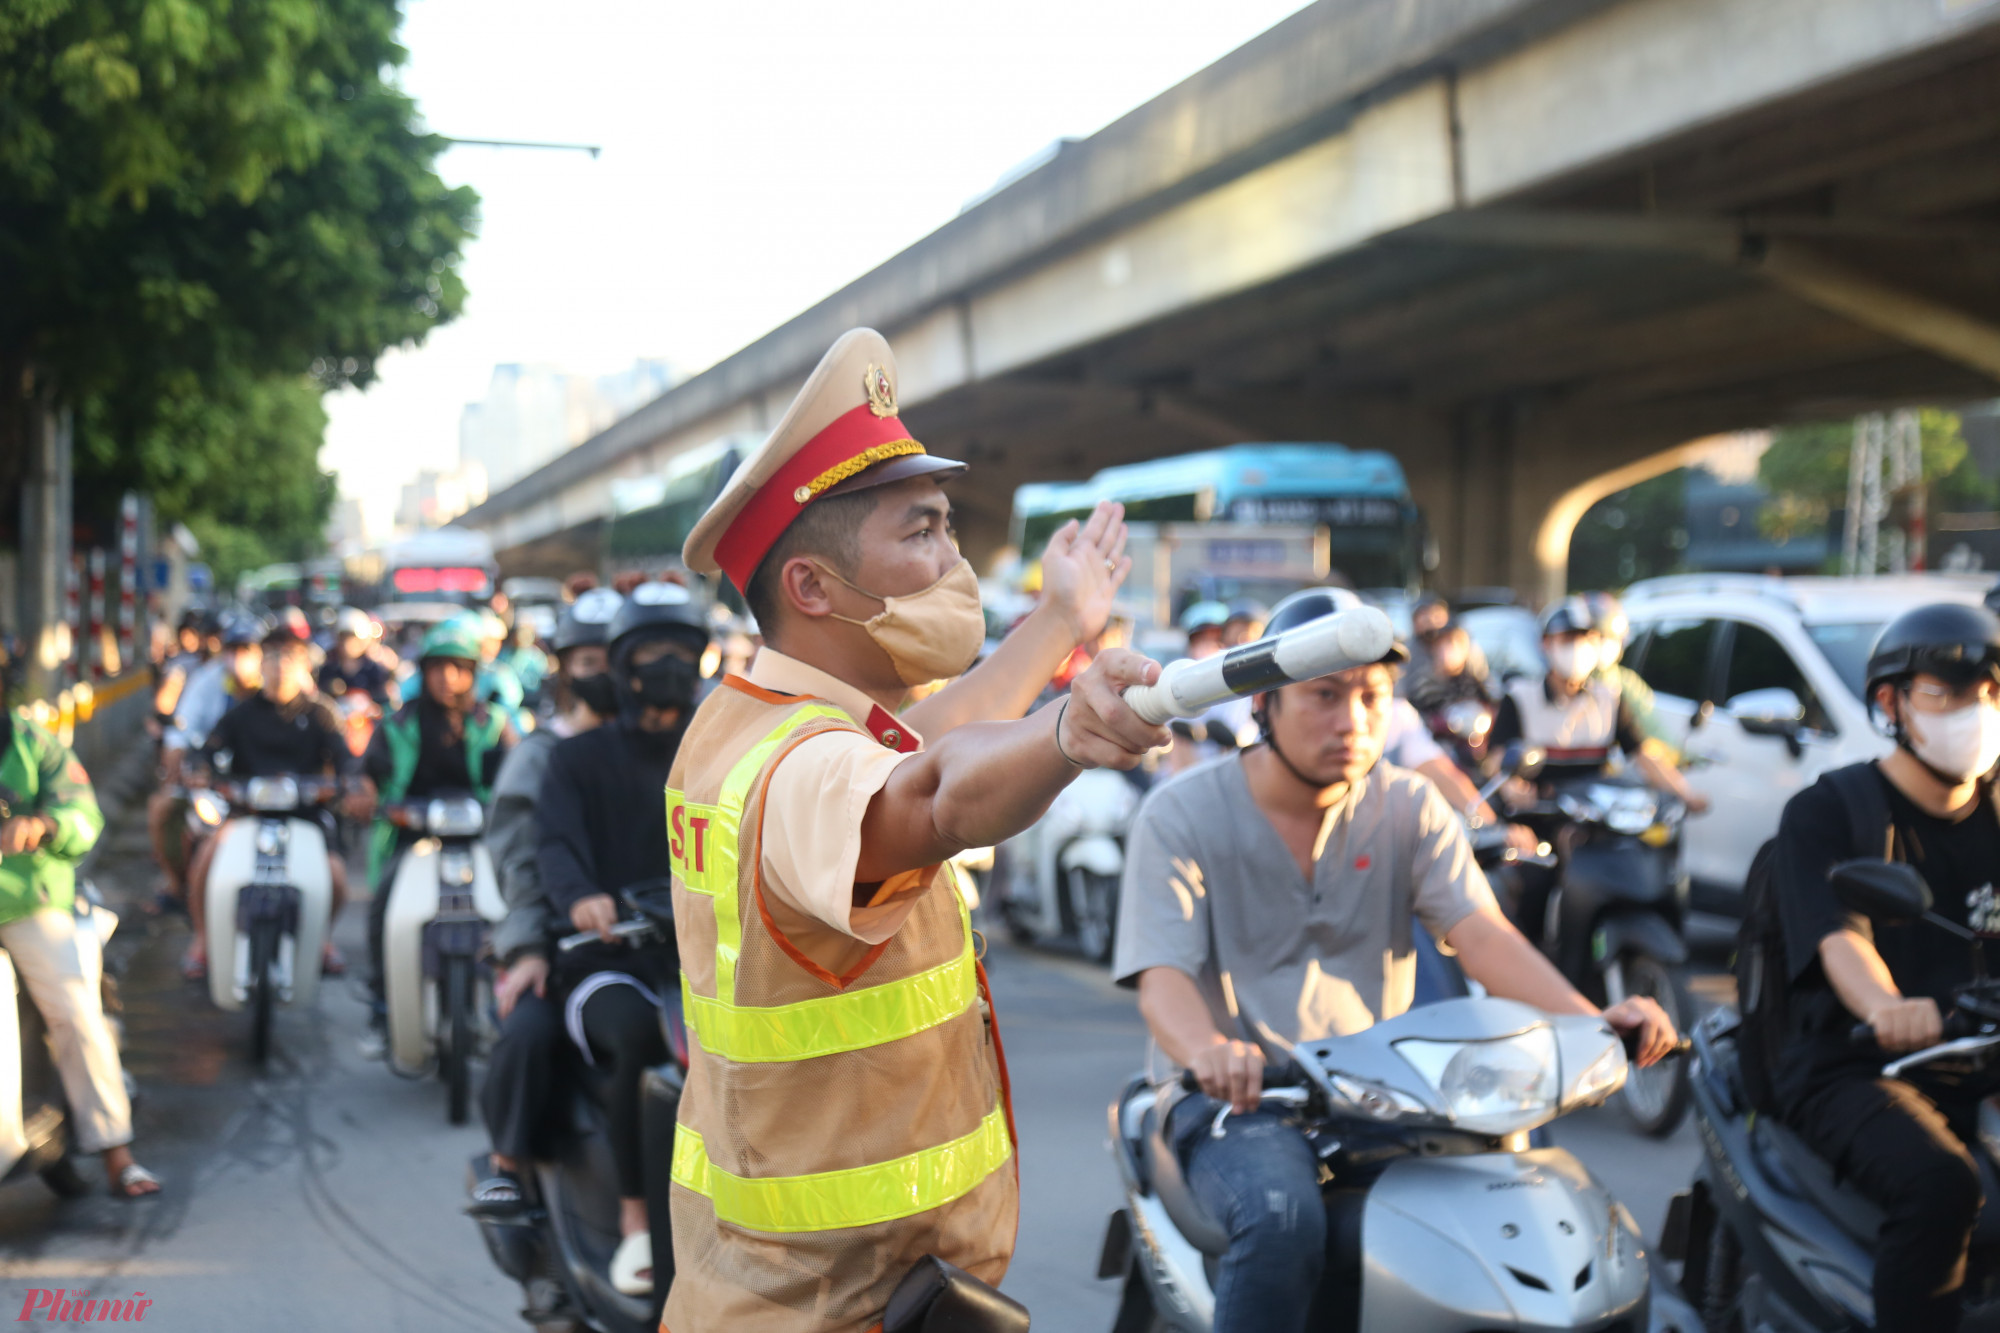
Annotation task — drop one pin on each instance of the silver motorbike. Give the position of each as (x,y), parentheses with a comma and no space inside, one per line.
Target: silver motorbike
(1449,1220)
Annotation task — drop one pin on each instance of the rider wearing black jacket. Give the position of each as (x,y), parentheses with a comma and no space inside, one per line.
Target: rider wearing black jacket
(604,829)
(286,728)
(1935,675)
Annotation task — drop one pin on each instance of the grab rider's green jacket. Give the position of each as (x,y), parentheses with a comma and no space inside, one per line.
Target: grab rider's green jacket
(39,776)
(393,761)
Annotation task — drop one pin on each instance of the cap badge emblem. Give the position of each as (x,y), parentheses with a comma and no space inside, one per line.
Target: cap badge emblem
(881,394)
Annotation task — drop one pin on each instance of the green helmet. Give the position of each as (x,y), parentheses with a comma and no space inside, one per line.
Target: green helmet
(457,637)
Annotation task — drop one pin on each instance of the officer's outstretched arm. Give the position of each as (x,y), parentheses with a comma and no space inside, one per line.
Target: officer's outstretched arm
(983,783)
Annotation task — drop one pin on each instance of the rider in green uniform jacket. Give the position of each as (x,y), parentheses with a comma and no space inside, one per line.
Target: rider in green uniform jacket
(48,820)
(445,739)
(39,777)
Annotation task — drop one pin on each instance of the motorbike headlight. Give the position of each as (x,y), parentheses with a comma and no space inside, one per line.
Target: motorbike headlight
(454,817)
(1605,1076)
(1468,721)
(273,794)
(1491,1087)
(1626,810)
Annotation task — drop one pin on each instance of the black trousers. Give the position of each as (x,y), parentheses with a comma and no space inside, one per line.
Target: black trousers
(1901,1149)
(516,1097)
(624,1030)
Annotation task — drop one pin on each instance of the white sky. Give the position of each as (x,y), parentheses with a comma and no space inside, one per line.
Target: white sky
(757,156)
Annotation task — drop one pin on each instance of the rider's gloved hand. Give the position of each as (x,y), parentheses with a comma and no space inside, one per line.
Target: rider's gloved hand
(597,912)
(1642,1014)
(1233,1072)
(1907,1025)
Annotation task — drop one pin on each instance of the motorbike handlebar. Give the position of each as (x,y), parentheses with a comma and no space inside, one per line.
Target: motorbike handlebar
(1956,1025)
(624,930)
(1281,1076)
(1188,688)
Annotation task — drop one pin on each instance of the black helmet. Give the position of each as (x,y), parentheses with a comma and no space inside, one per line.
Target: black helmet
(1947,639)
(1309,604)
(1572,615)
(664,608)
(587,620)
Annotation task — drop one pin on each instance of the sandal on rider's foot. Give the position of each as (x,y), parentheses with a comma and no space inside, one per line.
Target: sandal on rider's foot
(497,1196)
(332,963)
(632,1265)
(135,1182)
(194,965)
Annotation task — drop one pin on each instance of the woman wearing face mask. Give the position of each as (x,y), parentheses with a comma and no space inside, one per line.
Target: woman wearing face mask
(1934,681)
(520,1070)
(602,830)
(1574,714)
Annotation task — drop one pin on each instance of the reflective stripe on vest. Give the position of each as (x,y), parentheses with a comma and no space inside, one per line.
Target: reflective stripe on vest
(702,843)
(855,1197)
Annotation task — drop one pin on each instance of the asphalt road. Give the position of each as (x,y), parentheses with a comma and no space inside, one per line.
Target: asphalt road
(325,1193)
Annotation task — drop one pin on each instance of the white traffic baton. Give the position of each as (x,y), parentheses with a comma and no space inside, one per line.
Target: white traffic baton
(1336,642)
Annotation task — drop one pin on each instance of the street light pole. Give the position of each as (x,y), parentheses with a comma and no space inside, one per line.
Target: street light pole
(591,148)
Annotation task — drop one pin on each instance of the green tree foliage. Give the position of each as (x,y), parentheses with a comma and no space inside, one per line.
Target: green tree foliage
(1805,470)
(1636,533)
(206,202)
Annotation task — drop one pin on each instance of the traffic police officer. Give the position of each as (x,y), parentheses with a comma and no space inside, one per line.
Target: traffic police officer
(846,1112)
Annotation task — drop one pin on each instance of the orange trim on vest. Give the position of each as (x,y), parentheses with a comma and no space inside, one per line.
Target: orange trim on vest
(783,942)
(1000,1058)
(758,692)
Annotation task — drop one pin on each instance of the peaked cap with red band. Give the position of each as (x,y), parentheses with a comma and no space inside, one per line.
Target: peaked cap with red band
(840,434)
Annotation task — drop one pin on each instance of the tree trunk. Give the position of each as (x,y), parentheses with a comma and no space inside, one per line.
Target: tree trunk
(42,563)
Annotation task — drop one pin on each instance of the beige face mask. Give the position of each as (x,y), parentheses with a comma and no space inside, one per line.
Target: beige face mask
(929,635)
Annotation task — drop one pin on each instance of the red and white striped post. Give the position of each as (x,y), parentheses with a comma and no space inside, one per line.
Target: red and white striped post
(128,578)
(73,618)
(94,651)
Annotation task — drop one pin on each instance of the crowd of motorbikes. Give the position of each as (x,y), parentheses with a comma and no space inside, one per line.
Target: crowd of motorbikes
(1452,1208)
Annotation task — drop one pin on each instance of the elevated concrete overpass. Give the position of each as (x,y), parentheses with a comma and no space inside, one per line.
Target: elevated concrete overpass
(1520,243)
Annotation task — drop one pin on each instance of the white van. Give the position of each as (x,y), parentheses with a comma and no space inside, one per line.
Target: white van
(1759,680)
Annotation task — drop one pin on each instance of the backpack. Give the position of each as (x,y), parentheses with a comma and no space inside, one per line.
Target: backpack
(1763,982)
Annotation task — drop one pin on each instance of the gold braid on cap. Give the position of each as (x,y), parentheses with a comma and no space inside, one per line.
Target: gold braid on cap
(861,462)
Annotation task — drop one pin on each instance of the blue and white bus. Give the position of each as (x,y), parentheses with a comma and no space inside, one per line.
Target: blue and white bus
(1374,534)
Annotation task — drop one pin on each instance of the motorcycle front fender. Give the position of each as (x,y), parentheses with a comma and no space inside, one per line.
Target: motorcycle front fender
(1099,854)
(1453,1242)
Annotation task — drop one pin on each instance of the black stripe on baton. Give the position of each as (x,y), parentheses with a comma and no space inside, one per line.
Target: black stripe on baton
(1253,667)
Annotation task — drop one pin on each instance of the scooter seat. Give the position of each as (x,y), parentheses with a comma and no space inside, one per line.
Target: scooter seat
(1195,1222)
(1796,1168)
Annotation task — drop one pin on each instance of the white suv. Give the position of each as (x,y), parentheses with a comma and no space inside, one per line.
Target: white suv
(1759,681)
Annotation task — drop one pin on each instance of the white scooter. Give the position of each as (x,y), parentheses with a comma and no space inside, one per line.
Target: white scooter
(442,902)
(35,1133)
(270,896)
(1060,877)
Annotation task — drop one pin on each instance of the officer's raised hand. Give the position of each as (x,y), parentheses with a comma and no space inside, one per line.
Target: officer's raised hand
(1096,728)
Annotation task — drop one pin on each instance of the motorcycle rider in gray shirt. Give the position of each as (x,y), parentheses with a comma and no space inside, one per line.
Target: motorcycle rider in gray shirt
(1268,899)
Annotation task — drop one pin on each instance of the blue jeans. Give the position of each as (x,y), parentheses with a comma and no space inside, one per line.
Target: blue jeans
(1260,1181)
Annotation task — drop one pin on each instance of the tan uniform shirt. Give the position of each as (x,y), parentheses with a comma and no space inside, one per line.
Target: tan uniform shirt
(812,821)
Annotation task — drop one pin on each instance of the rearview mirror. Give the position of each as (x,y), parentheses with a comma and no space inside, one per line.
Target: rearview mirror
(1770,712)
(1889,891)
